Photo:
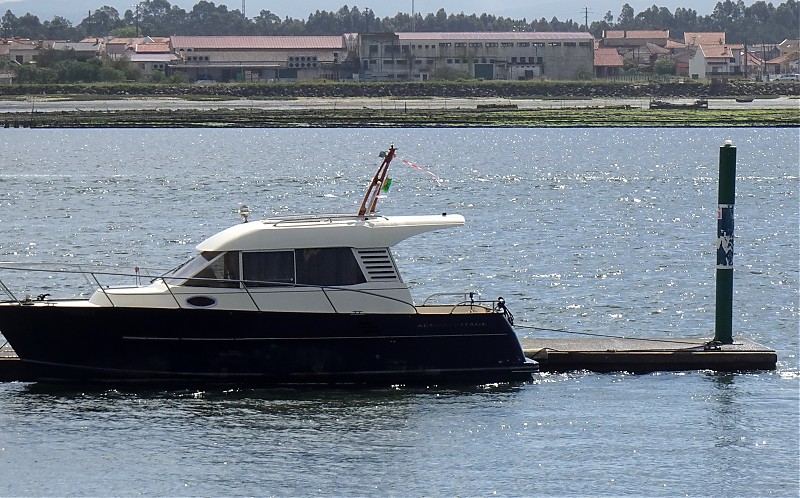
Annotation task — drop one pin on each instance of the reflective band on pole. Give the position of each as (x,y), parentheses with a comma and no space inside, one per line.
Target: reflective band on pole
(725,236)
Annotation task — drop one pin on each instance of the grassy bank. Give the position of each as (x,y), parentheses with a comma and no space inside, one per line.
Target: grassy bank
(366,118)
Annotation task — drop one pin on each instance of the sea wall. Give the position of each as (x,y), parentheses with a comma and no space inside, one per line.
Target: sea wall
(528,89)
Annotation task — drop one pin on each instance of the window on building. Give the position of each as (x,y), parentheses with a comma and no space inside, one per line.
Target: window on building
(584,44)
(507,44)
(373,49)
(538,44)
(476,44)
(491,44)
(405,49)
(554,44)
(523,44)
(570,44)
(513,60)
(461,44)
(445,44)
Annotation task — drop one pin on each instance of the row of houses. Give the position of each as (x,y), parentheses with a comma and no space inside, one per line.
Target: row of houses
(700,55)
(423,56)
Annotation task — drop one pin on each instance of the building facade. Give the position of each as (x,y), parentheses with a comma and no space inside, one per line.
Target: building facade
(258,58)
(487,56)
(716,62)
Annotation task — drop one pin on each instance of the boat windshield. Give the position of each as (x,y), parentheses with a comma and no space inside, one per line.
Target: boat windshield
(192,266)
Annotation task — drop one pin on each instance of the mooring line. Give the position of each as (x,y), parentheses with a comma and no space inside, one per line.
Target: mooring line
(609,336)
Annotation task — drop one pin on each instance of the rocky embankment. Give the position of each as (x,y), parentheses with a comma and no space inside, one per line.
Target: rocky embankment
(486,89)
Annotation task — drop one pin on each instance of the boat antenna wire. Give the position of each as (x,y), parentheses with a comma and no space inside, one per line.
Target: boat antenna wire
(371,197)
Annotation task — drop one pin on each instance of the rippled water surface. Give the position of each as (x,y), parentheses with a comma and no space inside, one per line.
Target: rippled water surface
(601,231)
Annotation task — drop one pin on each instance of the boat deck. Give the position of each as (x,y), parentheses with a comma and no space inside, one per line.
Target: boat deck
(593,354)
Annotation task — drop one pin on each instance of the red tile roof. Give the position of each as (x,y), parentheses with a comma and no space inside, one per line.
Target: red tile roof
(716,51)
(636,34)
(152,48)
(672,44)
(696,39)
(257,42)
(607,57)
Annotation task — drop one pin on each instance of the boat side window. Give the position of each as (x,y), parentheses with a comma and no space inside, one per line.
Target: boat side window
(266,269)
(328,266)
(222,271)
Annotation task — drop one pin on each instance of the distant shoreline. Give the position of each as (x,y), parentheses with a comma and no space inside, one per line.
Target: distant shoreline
(379,113)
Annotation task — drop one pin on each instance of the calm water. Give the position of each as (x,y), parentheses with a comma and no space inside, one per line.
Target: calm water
(603,231)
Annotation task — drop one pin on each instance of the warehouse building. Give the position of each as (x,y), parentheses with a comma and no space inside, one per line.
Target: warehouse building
(482,55)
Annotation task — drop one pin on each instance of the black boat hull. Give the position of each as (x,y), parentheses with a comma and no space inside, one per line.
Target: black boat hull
(73,343)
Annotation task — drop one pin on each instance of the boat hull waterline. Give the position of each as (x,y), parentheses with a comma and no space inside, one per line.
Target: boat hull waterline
(92,344)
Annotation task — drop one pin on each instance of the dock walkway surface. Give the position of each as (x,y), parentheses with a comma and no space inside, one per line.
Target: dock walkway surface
(639,355)
(594,354)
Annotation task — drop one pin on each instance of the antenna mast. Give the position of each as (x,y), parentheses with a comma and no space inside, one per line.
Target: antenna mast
(378,181)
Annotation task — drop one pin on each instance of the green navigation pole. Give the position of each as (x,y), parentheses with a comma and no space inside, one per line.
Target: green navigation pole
(727,192)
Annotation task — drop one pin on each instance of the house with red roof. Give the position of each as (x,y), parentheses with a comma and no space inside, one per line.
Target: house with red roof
(607,62)
(716,62)
(788,61)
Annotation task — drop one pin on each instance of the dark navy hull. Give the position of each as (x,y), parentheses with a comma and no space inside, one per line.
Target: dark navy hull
(66,343)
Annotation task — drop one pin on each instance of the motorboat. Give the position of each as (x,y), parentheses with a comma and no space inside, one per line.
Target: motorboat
(307,299)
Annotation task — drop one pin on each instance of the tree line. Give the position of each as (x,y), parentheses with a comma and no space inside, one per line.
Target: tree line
(760,22)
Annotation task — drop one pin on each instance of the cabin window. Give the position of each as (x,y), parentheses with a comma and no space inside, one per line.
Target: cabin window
(221,271)
(328,266)
(265,269)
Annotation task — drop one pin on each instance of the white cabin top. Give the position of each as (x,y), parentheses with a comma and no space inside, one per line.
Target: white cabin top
(315,231)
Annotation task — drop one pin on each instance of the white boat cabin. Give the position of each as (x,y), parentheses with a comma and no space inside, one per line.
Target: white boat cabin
(320,263)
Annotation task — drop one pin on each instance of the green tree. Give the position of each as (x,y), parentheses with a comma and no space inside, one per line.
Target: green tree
(664,66)
(8,24)
(101,22)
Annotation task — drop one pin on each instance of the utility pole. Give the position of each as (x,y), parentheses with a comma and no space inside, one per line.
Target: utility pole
(586,18)
(243,14)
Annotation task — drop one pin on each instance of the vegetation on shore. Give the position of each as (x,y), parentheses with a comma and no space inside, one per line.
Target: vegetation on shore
(760,22)
(407,118)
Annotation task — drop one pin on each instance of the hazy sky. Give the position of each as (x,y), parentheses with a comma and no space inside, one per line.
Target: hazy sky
(75,10)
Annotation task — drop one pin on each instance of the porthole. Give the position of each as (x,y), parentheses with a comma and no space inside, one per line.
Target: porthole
(201,301)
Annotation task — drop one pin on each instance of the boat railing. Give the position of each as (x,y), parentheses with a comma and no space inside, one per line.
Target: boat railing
(469,299)
(464,296)
(93,278)
(247,285)
(319,218)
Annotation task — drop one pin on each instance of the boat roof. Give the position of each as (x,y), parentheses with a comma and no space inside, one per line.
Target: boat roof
(302,232)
